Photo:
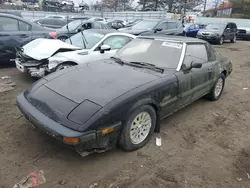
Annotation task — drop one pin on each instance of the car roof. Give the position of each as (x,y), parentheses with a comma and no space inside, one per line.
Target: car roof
(174,38)
(12,13)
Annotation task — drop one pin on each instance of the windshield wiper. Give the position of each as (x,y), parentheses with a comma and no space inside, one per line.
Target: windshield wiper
(147,65)
(117,60)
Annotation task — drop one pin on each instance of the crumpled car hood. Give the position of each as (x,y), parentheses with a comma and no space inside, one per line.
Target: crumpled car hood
(39,49)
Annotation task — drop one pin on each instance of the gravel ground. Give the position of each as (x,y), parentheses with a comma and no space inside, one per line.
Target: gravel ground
(205,145)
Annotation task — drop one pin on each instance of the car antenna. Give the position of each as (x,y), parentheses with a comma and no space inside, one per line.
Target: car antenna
(67,26)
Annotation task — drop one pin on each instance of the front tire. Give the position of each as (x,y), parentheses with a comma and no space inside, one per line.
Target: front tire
(217,89)
(233,40)
(138,128)
(221,40)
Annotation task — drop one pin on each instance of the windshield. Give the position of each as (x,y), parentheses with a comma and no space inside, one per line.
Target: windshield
(146,50)
(91,37)
(72,25)
(145,25)
(215,26)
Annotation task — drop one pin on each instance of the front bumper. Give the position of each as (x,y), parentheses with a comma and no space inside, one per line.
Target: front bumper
(88,141)
(211,38)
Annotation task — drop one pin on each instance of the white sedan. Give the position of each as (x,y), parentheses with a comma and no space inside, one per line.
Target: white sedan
(43,56)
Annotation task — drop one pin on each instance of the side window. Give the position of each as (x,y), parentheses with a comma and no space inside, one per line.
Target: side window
(228,25)
(191,27)
(97,25)
(117,42)
(24,26)
(162,26)
(196,26)
(195,53)
(171,25)
(8,24)
(87,26)
(233,26)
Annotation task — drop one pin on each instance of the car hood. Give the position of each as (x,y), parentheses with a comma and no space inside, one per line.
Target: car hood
(130,30)
(39,49)
(99,82)
(70,54)
(209,30)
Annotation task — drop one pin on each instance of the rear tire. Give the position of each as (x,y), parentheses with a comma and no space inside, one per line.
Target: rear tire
(233,40)
(138,128)
(217,89)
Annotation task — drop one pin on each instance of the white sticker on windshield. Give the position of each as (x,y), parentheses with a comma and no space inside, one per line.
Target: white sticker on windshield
(172,45)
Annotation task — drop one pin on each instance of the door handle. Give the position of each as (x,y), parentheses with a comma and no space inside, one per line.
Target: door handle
(210,69)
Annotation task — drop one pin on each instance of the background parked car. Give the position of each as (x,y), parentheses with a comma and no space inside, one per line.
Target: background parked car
(191,30)
(148,27)
(15,13)
(131,23)
(219,32)
(52,22)
(116,24)
(77,26)
(95,45)
(15,32)
(243,31)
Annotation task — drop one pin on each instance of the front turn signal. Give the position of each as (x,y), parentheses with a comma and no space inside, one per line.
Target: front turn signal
(70,140)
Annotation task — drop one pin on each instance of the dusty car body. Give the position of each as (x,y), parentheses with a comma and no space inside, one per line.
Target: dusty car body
(41,57)
(97,105)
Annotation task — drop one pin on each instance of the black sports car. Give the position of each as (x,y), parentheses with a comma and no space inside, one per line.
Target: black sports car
(95,106)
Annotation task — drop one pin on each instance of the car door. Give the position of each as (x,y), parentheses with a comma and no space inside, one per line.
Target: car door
(202,78)
(115,42)
(13,33)
(227,32)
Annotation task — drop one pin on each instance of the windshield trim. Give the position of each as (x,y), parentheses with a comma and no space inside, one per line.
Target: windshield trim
(182,57)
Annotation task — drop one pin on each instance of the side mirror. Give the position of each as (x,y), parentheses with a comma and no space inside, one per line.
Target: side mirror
(79,30)
(104,48)
(193,65)
(158,29)
(196,65)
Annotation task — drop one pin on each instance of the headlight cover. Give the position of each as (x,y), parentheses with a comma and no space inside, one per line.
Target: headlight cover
(83,112)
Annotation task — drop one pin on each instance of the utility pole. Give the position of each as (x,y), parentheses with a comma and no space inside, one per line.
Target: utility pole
(185,7)
(205,6)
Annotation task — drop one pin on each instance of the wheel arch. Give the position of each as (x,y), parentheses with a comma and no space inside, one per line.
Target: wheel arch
(224,72)
(151,102)
(65,62)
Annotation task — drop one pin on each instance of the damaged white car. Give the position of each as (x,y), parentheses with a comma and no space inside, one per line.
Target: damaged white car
(43,56)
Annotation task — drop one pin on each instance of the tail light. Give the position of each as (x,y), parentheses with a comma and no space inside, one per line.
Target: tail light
(53,34)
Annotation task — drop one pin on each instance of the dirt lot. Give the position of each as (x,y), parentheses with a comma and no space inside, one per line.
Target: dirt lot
(205,145)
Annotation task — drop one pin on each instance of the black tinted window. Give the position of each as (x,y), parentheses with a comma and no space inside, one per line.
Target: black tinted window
(162,26)
(24,26)
(8,24)
(196,53)
(233,25)
(171,25)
